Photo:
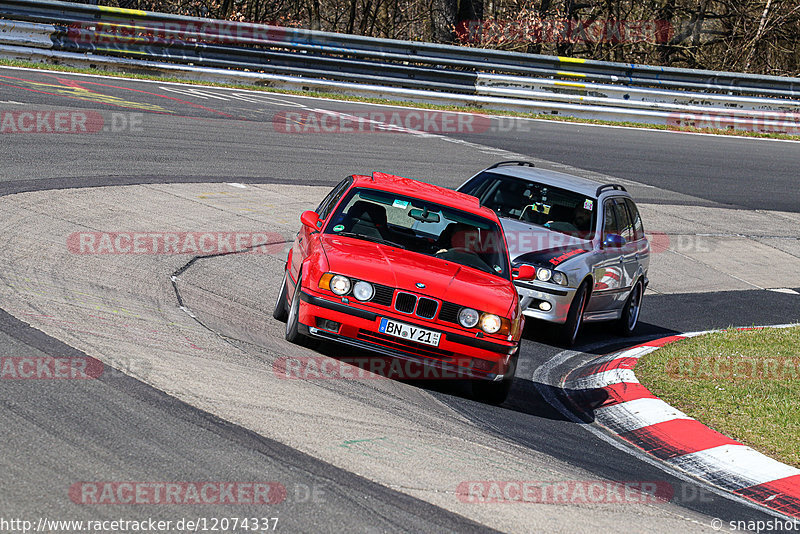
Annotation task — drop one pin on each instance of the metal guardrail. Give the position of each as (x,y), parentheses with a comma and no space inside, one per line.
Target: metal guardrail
(414,70)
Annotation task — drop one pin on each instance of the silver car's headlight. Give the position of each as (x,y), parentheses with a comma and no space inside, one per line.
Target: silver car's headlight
(559,278)
(544,274)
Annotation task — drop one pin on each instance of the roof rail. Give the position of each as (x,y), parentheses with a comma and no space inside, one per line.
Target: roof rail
(511,162)
(613,187)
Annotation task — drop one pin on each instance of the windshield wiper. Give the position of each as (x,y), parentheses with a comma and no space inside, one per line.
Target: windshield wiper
(370,238)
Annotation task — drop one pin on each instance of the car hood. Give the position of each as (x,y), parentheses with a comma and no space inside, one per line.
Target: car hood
(403,270)
(537,245)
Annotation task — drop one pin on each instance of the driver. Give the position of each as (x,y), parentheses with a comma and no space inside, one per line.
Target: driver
(580,222)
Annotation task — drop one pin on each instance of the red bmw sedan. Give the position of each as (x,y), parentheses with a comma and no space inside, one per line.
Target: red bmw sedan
(411,271)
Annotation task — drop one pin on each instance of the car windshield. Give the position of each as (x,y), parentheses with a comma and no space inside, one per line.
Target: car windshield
(558,209)
(422,227)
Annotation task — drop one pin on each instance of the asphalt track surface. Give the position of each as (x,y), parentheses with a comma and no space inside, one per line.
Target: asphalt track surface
(57,435)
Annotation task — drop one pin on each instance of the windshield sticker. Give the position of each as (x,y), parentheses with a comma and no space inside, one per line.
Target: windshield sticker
(402,204)
(338,228)
(588,204)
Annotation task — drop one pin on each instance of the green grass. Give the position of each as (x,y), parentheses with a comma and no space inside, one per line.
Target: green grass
(744,384)
(336,96)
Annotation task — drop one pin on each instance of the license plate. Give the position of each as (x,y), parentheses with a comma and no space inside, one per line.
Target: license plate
(411,333)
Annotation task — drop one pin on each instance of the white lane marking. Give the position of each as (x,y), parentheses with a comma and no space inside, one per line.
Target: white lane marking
(784,290)
(605,379)
(236,184)
(749,467)
(420,133)
(13,103)
(636,414)
(636,352)
(253,97)
(589,125)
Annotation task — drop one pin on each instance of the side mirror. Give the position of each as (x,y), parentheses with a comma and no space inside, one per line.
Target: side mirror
(524,272)
(310,219)
(614,241)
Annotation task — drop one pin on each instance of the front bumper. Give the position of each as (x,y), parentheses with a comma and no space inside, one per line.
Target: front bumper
(531,294)
(456,356)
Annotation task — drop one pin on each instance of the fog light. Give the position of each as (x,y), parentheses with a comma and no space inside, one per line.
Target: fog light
(327,324)
(545,306)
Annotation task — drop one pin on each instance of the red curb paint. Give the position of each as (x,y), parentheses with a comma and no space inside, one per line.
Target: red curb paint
(782,495)
(676,438)
(618,363)
(626,391)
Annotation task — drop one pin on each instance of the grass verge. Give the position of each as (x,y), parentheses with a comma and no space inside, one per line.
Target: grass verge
(336,96)
(744,384)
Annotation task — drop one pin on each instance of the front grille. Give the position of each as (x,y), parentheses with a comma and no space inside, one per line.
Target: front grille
(383,295)
(405,302)
(427,308)
(418,349)
(449,312)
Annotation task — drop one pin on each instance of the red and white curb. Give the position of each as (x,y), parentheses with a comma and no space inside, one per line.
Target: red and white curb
(631,411)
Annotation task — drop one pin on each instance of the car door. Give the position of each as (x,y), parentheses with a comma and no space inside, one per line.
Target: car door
(641,245)
(629,252)
(608,270)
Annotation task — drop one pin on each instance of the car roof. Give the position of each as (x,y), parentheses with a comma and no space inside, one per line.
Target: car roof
(563,180)
(424,191)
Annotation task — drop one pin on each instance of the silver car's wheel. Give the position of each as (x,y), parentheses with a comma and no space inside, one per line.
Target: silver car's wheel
(630,313)
(570,330)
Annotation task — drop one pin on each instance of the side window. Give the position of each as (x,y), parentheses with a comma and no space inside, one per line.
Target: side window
(636,219)
(329,202)
(610,221)
(478,185)
(623,219)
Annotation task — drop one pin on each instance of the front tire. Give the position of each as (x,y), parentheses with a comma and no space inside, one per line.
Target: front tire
(280,312)
(496,392)
(571,328)
(293,319)
(630,313)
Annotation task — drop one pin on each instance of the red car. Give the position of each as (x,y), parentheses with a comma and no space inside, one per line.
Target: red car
(411,271)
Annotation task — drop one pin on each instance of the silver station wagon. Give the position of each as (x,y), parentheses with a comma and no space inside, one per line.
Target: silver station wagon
(577,246)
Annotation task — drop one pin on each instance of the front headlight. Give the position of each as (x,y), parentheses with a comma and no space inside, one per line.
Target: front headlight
(340,285)
(544,274)
(559,278)
(363,290)
(468,317)
(490,323)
